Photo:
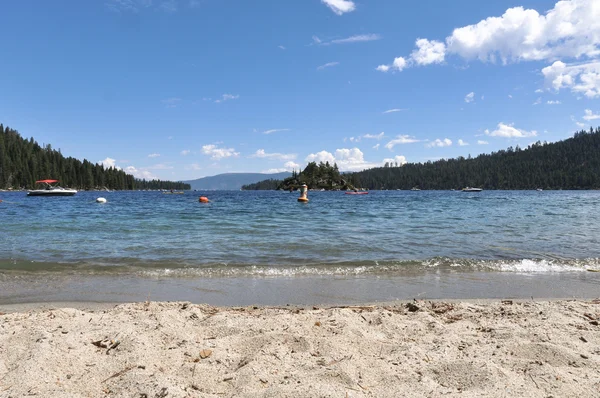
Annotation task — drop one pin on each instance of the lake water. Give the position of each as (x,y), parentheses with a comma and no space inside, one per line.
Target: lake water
(265,247)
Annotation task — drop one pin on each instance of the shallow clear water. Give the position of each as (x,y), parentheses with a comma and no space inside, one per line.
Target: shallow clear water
(271,234)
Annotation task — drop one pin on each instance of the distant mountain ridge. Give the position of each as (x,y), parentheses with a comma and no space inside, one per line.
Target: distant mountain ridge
(233,181)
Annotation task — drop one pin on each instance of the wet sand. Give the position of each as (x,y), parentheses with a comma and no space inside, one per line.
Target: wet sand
(421,348)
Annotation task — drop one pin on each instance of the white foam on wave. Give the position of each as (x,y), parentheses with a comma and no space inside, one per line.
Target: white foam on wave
(535,266)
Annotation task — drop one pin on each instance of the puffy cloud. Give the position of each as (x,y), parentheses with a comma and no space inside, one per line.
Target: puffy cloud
(481,142)
(227,97)
(581,78)
(579,124)
(279,156)
(439,143)
(108,163)
(428,52)
(462,143)
(401,160)
(553,102)
(219,153)
(470,97)
(399,64)
(376,147)
(401,139)
(589,115)
(291,165)
(569,30)
(140,173)
(322,156)
(508,131)
(340,6)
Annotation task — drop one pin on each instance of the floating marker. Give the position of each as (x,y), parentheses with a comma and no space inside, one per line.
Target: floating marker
(100,200)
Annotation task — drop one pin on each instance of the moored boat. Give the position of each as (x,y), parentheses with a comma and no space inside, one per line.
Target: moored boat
(51,189)
(470,189)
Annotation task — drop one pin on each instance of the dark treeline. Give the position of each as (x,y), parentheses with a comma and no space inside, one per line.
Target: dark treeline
(265,185)
(24,161)
(570,164)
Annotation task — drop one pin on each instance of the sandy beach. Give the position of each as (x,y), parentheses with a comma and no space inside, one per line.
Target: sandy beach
(401,349)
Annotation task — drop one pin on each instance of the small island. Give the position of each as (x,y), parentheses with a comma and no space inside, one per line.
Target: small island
(322,176)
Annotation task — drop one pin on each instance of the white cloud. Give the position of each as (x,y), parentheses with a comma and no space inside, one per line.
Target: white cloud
(429,52)
(316,40)
(193,166)
(398,65)
(569,30)
(537,101)
(439,143)
(509,96)
(401,139)
(154,155)
(583,78)
(462,143)
(401,160)
(291,166)
(539,91)
(376,147)
(171,102)
(160,166)
(185,152)
(481,142)
(589,115)
(508,131)
(108,163)
(351,159)
(274,131)
(140,173)
(354,39)
(375,136)
(394,110)
(219,153)
(281,47)
(340,6)
(322,156)
(280,156)
(470,97)
(553,102)
(327,65)
(227,97)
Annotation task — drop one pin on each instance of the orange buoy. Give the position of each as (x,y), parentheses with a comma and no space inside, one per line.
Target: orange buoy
(203,199)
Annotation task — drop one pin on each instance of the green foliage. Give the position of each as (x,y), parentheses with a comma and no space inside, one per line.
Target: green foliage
(316,176)
(265,185)
(570,164)
(22,162)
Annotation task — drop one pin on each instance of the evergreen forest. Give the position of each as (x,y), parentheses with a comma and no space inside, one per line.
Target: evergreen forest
(573,163)
(24,161)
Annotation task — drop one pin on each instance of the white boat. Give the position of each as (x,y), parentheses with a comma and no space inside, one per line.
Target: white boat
(469,189)
(51,190)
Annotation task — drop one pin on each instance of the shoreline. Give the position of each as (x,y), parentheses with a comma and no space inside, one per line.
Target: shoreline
(466,348)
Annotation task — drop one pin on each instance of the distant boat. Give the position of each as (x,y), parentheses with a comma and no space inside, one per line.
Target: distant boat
(539,189)
(356,193)
(51,190)
(415,189)
(469,189)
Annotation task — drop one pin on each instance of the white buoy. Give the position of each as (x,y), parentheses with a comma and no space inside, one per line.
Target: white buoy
(100,200)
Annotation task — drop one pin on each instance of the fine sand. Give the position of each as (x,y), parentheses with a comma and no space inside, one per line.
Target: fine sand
(415,349)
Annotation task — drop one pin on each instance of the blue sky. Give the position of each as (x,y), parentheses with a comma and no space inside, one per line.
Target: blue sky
(181,89)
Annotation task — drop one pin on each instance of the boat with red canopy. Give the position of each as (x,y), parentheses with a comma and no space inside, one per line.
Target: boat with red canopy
(50,189)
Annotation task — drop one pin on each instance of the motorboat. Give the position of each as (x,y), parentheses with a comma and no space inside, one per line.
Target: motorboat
(356,192)
(470,189)
(51,189)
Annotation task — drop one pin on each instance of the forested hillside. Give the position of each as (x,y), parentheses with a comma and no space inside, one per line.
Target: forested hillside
(570,164)
(22,162)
